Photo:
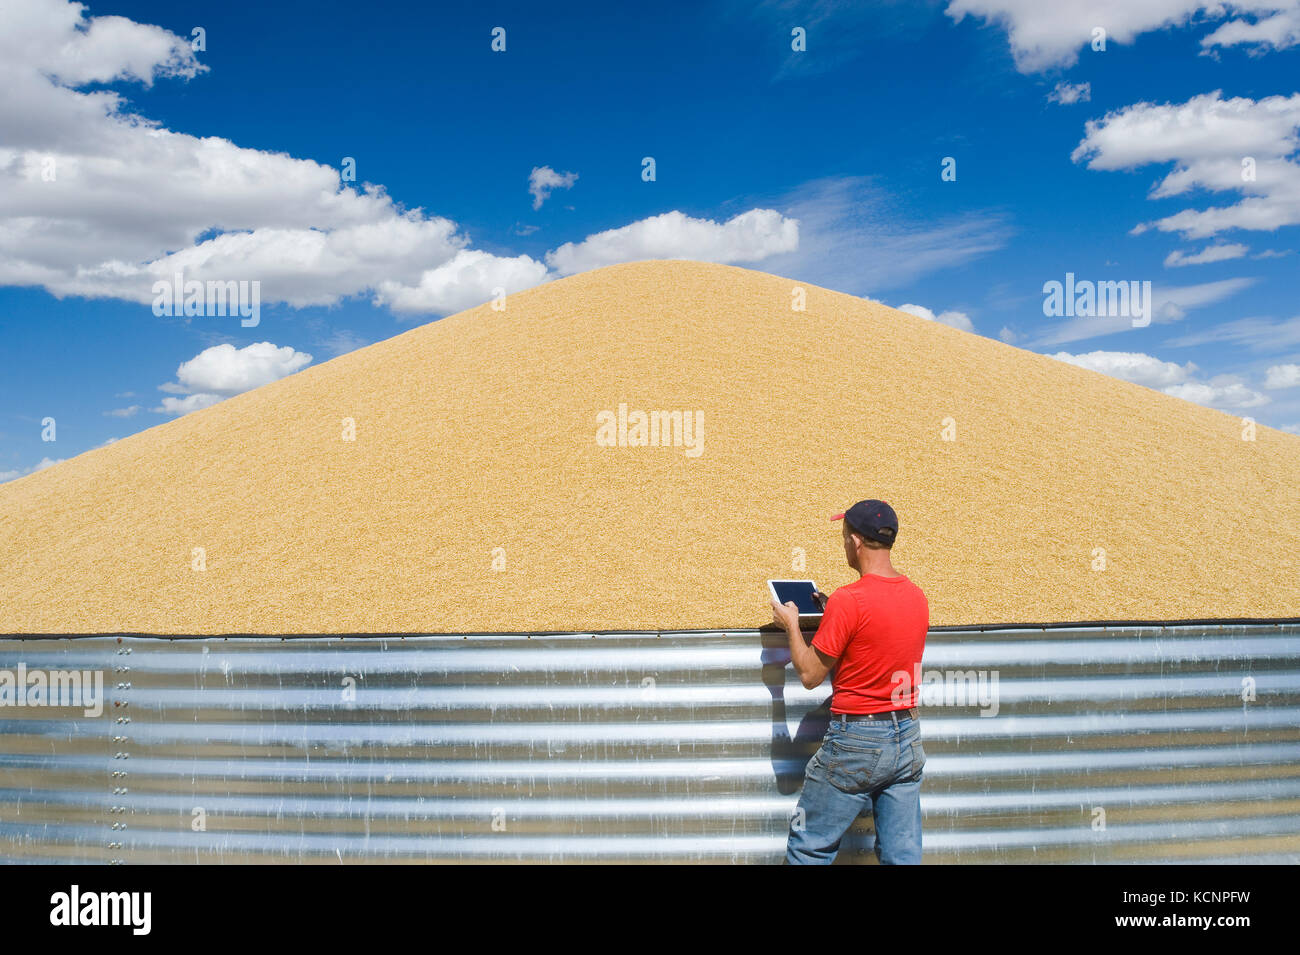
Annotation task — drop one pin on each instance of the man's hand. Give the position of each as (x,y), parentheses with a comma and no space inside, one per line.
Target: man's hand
(810,663)
(821,599)
(786,615)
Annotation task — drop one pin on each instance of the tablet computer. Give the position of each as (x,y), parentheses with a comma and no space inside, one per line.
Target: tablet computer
(800,592)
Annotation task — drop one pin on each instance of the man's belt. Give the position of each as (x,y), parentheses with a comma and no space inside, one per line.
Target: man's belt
(887,715)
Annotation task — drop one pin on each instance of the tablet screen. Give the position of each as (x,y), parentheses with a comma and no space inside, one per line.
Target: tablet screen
(799,591)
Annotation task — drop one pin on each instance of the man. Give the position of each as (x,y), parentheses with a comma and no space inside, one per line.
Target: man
(872,633)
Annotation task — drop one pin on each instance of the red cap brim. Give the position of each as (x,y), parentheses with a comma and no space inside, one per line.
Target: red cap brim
(838,517)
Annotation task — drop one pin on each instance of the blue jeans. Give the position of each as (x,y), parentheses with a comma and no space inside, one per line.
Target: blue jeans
(861,765)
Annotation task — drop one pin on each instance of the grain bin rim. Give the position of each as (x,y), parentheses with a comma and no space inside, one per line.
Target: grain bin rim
(767,629)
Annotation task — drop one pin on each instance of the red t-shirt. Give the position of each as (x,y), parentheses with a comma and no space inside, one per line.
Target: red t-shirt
(876,629)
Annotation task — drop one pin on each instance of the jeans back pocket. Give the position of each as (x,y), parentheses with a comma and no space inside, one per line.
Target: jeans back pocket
(850,766)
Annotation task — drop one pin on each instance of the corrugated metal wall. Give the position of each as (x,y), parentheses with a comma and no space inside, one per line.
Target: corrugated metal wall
(1109,745)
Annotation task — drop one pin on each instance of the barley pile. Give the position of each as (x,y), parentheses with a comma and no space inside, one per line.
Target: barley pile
(476,496)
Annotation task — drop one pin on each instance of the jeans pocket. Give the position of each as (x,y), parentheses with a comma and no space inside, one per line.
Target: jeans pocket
(850,766)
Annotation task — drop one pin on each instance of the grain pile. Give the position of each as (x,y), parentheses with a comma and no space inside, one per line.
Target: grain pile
(476,497)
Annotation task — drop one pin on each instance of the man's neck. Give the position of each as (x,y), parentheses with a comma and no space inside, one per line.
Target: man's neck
(880,566)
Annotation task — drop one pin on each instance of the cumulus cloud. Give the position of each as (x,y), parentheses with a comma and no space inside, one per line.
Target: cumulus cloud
(955,319)
(1236,145)
(73,51)
(1211,253)
(223,370)
(1225,392)
(748,237)
(470,278)
(227,370)
(122,412)
(1132,366)
(1276,28)
(1282,376)
(99,202)
(183,406)
(1068,93)
(1044,35)
(543,179)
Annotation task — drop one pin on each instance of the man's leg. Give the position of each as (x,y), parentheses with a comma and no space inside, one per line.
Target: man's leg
(897,813)
(823,816)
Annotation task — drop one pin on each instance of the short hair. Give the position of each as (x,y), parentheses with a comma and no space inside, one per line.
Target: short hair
(867,542)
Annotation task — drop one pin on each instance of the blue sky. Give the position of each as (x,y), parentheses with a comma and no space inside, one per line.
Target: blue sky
(129,154)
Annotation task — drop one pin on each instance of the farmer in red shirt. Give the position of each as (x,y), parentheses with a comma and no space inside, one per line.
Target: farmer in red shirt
(872,633)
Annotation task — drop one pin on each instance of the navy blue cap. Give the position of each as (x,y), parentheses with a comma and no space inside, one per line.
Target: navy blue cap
(874,520)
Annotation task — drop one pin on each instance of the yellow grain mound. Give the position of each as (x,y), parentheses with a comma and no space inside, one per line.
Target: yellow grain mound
(476,497)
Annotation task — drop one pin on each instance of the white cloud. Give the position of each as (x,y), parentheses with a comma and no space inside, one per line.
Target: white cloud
(183,406)
(955,319)
(1132,366)
(469,279)
(1282,376)
(132,202)
(76,52)
(1007,335)
(129,201)
(122,412)
(1207,138)
(1068,93)
(1225,392)
(748,237)
(1044,35)
(223,370)
(1277,30)
(543,179)
(1211,253)
(1206,127)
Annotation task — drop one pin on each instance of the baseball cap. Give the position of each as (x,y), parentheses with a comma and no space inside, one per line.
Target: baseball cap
(874,520)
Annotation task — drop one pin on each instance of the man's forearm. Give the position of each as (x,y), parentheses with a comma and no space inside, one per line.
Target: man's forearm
(802,656)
